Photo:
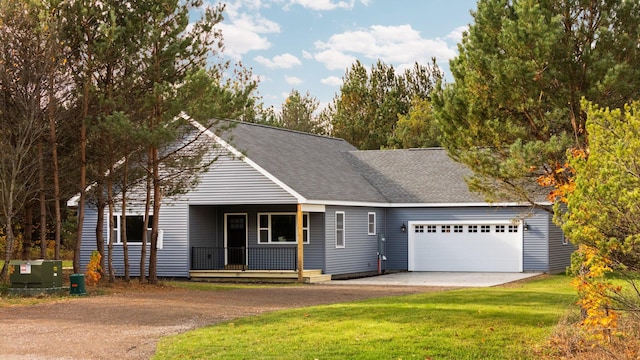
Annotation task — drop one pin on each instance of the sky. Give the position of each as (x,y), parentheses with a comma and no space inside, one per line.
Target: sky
(308,45)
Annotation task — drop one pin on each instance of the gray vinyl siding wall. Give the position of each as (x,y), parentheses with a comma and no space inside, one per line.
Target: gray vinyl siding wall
(535,240)
(559,253)
(206,224)
(231,181)
(172,258)
(360,252)
(228,181)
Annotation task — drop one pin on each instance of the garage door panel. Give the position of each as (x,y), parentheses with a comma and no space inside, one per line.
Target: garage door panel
(466,251)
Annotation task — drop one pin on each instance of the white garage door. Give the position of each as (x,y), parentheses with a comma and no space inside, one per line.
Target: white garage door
(456,246)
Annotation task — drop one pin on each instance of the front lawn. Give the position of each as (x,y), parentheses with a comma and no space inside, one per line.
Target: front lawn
(485,323)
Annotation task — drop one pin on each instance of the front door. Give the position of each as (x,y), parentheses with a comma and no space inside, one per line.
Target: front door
(236,238)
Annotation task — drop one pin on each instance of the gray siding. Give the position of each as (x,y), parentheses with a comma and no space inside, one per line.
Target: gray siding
(360,252)
(206,224)
(172,258)
(536,243)
(232,181)
(559,253)
(228,181)
(535,240)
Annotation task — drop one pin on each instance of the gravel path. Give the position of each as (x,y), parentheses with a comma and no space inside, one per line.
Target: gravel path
(127,323)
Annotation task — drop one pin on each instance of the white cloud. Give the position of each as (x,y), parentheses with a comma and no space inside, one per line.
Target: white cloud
(398,45)
(334,59)
(292,80)
(326,4)
(456,34)
(332,81)
(244,29)
(307,55)
(284,61)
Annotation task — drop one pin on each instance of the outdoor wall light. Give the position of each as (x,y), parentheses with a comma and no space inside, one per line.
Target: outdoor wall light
(525,226)
(403,228)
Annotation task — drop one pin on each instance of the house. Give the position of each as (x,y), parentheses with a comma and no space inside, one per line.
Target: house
(362,212)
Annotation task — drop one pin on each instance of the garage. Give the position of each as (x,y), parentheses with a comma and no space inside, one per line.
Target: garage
(489,246)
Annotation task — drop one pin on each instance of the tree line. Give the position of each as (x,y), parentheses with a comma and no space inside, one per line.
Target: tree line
(90,98)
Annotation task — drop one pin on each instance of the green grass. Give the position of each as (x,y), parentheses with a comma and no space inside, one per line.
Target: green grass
(487,323)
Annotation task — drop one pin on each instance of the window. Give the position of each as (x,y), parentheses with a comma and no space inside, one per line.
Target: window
(340,229)
(372,223)
(419,229)
(446,228)
(513,228)
(499,228)
(431,228)
(134,226)
(281,228)
(457,228)
(473,228)
(485,228)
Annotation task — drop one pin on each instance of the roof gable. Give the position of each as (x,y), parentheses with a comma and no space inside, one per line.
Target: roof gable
(313,166)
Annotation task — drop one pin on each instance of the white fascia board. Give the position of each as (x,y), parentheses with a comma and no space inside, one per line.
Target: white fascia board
(417,205)
(225,145)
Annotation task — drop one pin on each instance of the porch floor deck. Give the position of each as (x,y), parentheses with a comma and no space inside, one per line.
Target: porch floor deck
(276,276)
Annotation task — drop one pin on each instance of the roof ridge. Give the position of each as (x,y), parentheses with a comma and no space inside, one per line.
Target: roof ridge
(284,129)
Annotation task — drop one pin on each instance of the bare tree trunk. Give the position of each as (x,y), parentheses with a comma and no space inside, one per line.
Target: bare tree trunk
(157,199)
(100,225)
(56,176)
(123,230)
(83,168)
(43,203)
(9,245)
(112,277)
(147,206)
(27,236)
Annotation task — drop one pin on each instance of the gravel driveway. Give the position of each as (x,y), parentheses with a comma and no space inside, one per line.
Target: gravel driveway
(126,324)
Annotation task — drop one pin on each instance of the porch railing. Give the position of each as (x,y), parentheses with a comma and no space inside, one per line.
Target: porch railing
(241,258)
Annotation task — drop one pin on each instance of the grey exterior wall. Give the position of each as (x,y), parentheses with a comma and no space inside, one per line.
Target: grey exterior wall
(360,252)
(229,181)
(206,229)
(536,241)
(559,252)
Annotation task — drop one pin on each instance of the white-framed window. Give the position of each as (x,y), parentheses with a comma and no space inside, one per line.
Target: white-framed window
(500,228)
(281,228)
(446,228)
(457,228)
(485,228)
(371,221)
(513,228)
(340,227)
(473,228)
(419,228)
(431,228)
(134,225)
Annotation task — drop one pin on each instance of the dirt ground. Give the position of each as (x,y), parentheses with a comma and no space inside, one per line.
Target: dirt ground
(127,323)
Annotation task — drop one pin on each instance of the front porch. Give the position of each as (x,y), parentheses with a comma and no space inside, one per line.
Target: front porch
(274,264)
(275,276)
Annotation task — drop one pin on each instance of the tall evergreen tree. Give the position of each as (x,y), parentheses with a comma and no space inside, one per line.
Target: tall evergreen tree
(522,69)
(366,110)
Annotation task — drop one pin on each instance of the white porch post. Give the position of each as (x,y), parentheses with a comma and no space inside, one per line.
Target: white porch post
(300,245)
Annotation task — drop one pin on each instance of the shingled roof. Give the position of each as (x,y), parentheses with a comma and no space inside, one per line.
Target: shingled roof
(415,175)
(312,165)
